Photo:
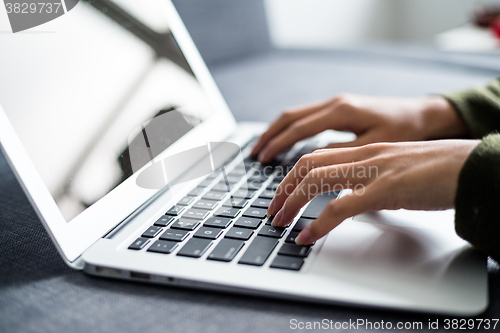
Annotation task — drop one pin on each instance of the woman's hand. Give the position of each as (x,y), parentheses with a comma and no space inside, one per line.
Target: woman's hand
(411,175)
(372,119)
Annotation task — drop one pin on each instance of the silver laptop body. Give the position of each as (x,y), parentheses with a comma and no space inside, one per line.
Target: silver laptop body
(84,103)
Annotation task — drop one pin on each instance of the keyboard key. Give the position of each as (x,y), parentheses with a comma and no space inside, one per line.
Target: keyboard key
(174,235)
(175,211)
(196,192)
(279,177)
(239,233)
(163,246)
(197,214)
(261,203)
(226,250)
(310,146)
(213,175)
(257,178)
(247,222)
(251,161)
(227,212)
(255,212)
(270,231)
(210,233)
(301,224)
(164,221)
(235,202)
(253,186)
(267,194)
(195,247)
(244,193)
(151,232)
(317,204)
(214,196)
(291,237)
(295,250)
(270,220)
(258,251)
(290,263)
(205,204)
(231,179)
(205,183)
(282,155)
(238,172)
(186,201)
(218,222)
(222,187)
(268,170)
(185,224)
(273,186)
(139,243)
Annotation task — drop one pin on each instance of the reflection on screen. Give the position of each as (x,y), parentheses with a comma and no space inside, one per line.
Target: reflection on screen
(76,87)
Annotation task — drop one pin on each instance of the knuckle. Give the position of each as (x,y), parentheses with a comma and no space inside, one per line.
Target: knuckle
(306,160)
(316,173)
(374,148)
(344,99)
(298,128)
(287,115)
(302,167)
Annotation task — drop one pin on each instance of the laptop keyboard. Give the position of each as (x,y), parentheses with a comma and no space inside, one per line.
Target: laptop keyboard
(225,215)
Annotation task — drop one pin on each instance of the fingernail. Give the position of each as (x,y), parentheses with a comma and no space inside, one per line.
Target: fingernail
(304,238)
(276,220)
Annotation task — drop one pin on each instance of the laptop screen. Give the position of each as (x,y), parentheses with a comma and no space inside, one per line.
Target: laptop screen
(82,89)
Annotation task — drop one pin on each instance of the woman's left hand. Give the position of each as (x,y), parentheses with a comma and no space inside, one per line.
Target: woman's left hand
(410,175)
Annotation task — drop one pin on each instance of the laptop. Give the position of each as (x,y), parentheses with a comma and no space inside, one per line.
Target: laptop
(138,170)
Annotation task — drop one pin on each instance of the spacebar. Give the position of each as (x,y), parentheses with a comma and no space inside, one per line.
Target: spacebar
(318,204)
(258,252)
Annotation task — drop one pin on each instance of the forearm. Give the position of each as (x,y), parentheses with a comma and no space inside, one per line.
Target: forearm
(479,108)
(477,201)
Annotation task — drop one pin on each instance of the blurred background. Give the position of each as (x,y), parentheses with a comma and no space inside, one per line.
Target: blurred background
(333,23)
(271,55)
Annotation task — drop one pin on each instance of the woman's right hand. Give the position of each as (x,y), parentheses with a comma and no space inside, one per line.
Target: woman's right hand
(372,119)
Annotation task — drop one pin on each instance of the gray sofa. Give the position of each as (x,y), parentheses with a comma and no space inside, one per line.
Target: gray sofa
(38,293)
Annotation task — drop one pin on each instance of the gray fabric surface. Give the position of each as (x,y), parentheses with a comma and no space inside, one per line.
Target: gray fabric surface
(38,293)
(259,88)
(223,29)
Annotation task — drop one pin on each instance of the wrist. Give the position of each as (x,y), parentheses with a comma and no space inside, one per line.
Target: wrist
(440,120)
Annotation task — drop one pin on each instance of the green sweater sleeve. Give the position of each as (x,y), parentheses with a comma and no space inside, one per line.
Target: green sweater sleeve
(479,108)
(477,202)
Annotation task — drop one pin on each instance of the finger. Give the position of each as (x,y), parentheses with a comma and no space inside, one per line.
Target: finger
(317,159)
(283,121)
(317,181)
(301,129)
(336,211)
